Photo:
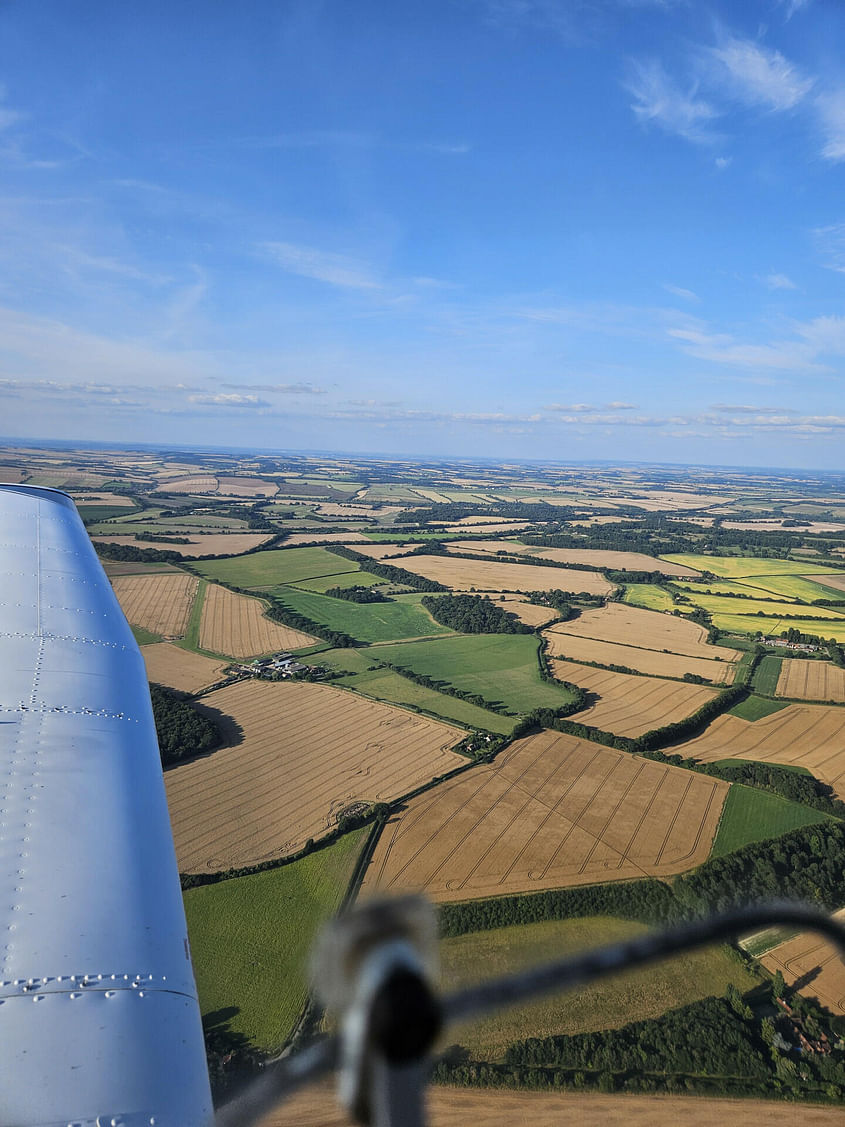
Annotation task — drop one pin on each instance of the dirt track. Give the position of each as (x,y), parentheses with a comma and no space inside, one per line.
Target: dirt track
(551,812)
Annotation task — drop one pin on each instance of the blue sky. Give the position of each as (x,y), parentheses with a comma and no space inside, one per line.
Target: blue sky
(528,228)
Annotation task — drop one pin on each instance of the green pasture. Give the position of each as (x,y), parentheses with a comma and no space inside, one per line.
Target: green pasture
(368,622)
(756,815)
(607,1004)
(498,667)
(322,583)
(278,566)
(648,595)
(766,675)
(251,937)
(755,708)
(384,684)
(144,637)
(735,567)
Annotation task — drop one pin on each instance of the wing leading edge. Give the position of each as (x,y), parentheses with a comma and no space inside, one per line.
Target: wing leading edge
(99,1019)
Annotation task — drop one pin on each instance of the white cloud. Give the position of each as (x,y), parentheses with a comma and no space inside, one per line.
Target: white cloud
(830,245)
(232,399)
(831,112)
(660,100)
(793,6)
(761,76)
(779,282)
(723,162)
(323,266)
(280,388)
(679,291)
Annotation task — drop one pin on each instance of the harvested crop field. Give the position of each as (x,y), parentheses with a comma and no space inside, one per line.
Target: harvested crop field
(552,811)
(196,483)
(628,705)
(460,575)
(381,551)
(530,613)
(653,662)
(455,1107)
(159,603)
(635,626)
(303,754)
(317,537)
(201,544)
(811,680)
(246,487)
(800,735)
(180,669)
(620,561)
(236,625)
(112,500)
(816,963)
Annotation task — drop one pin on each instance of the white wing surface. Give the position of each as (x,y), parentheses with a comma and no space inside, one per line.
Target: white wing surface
(99,1020)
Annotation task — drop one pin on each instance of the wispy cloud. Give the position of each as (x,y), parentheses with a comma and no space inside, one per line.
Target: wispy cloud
(659,100)
(589,408)
(322,266)
(679,291)
(793,6)
(723,162)
(831,114)
(232,399)
(830,246)
(779,282)
(804,352)
(759,75)
(280,388)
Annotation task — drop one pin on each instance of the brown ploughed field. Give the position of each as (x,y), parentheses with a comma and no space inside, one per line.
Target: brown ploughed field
(201,543)
(816,963)
(460,575)
(648,629)
(236,625)
(811,680)
(654,662)
(800,735)
(160,603)
(629,705)
(180,669)
(456,1107)
(303,754)
(551,812)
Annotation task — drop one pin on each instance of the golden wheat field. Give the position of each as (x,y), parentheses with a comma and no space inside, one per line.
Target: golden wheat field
(800,735)
(816,964)
(648,629)
(629,705)
(461,575)
(300,754)
(381,551)
(236,625)
(622,561)
(180,669)
(811,680)
(193,483)
(455,1107)
(553,811)
(529,613)
(653,662)
(201,543)
(160,603)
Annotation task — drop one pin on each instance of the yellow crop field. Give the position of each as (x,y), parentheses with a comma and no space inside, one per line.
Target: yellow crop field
(236,625)
(300,754)
(460,575)
(816,962)
(654,662)
(194,483)
(180,669)
(635,626)
(553,811)
(160,603)
(529,613)
(622,561)
(735,567)
(201,543)
(628,705)
(811,680)
(800,735)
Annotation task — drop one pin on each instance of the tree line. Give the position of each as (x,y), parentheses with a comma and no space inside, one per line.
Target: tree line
(182,731)
(392,574)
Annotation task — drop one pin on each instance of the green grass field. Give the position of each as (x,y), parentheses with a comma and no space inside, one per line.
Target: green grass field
(384,684)
(499,667)
(755,815)
(607,1004)
(755,708)
(766,675)
(280,565)
(323,583)
(735,567)
(649,596)
(144,637)
(369,622)
(250,939)
(789,586)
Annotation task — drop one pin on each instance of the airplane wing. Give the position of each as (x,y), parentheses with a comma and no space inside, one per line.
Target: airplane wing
(99,1019)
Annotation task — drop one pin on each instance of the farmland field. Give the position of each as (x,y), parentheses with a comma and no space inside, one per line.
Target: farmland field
(800,735)
(380,551)
(633,626)
(250,939)
(277,566)
(160,603)
(497,667)
(648,596)
(303,754)
(202,544)
(719,604)
(460,575)
(195,483)
(654,662)
(629,705)
(772,627)
(621,561)
(180,669)
(767,674)
(816,963)
(529,613)
(755,815)
(791,587)
(551,812)
(370,622)
(246,487)
(811,680)
(735,567)
(236,625)
(607,1004)
(321,583)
